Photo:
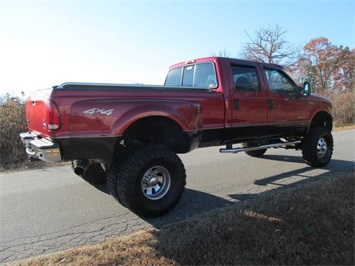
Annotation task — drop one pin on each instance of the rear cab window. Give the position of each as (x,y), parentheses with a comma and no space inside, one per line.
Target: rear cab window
(174,77)
(199,75)
(246,78)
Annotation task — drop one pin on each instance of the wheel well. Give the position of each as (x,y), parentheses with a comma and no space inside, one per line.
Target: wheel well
(322,119)
(157,130)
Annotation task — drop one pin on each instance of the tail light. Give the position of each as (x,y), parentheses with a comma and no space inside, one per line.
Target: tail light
(53,116)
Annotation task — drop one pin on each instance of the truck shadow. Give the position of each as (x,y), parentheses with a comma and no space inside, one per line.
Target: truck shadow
(192,203)
(195,202)
(305,173)
(250,222)
(285,158)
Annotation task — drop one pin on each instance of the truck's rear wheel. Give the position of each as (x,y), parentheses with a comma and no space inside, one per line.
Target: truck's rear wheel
(256,153)
(150,181)
(318,147)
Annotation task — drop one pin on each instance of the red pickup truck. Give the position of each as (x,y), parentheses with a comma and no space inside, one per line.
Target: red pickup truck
(130,134)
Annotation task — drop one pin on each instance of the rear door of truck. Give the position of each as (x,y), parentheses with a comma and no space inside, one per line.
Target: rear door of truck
(250,104)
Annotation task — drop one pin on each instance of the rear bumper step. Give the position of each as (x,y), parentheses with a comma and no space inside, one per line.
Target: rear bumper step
(267,146)
(41,148)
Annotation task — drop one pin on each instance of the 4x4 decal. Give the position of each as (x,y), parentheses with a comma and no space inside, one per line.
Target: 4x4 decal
(98,111)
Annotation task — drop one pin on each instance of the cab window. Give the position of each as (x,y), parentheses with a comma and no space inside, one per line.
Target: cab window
(279,82)
(174,77)
(246,78)
(205,76)
(195,75)
(188,76)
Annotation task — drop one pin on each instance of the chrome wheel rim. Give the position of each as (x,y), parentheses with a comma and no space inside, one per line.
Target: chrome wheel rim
(322,147)
(156,182)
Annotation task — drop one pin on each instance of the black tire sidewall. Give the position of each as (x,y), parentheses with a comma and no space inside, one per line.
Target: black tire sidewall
(256,153)
(129,178)
(310,147)
(177,184)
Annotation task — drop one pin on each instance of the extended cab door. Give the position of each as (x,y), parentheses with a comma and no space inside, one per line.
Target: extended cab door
(249,99)
(285,108)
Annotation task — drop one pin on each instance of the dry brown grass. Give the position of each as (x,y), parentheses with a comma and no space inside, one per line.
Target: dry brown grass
(311,224)
(342,128)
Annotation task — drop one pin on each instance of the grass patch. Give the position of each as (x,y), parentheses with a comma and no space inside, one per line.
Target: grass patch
(311,224)
(342,128)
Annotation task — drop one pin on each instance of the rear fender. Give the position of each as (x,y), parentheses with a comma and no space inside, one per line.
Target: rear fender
(185,114)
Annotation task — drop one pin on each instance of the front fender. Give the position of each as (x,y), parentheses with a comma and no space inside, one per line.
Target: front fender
(320,113)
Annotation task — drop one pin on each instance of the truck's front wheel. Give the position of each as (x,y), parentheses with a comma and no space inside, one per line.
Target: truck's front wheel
(318,147)
(150,181)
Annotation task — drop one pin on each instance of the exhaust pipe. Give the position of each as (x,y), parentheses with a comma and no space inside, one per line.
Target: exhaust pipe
(80,167)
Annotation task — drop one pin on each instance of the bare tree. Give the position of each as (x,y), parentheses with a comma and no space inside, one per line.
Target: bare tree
(270,46)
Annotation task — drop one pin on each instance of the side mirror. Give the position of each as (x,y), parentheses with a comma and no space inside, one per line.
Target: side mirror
(306,89)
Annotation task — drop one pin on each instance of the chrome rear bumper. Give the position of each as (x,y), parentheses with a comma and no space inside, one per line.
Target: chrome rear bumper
(41,148)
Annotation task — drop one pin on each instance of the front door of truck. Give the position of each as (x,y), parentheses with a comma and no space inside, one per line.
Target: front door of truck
(250,105)
(285,109)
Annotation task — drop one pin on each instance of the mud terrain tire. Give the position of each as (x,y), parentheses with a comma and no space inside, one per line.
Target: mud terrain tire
(150,181)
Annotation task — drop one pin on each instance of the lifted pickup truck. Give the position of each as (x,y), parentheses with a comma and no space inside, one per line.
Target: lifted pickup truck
(130,134)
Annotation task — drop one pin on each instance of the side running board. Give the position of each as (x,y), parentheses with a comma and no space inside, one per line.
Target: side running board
(267,146)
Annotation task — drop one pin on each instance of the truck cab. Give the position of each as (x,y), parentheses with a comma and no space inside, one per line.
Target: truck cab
(261,100)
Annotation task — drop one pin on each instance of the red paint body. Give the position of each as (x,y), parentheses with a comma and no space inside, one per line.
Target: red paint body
(107,111)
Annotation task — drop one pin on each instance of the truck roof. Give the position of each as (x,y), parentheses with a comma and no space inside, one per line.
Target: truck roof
(217,58)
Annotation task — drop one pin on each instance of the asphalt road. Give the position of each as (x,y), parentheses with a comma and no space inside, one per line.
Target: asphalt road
(46,210)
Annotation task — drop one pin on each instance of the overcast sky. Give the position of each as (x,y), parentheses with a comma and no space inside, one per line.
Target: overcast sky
(45,43)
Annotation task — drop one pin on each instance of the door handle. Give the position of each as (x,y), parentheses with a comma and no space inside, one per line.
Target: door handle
(236,105)
(271,104)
